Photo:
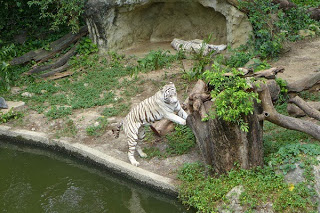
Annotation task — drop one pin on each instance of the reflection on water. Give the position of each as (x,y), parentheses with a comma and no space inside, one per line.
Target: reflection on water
(33,180)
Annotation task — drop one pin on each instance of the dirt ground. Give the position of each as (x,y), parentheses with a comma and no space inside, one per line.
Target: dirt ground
(302,59)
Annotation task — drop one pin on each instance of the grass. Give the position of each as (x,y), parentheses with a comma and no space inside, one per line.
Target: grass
(178,142)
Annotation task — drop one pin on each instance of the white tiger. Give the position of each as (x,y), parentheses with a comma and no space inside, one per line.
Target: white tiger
(163,104)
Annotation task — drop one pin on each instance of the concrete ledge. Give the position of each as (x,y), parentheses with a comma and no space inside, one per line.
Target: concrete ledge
(147,178)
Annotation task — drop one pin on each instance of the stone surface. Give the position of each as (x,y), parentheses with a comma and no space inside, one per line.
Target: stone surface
(3,104)
(27,94)
(115,24)
(14,105)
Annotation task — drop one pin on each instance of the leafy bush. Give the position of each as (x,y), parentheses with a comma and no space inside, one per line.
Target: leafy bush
(155,60)
(5,117)
(63,12)
(271,26)
(261,185)
(232,101)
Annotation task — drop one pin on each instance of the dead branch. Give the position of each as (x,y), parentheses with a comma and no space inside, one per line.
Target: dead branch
(55,47)
(284,121)
(54,71)
(309,110)
(295,111)
(58,63)
(60,75)
(269,73)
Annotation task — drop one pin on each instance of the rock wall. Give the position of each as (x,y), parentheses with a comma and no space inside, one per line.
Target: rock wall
(116,24)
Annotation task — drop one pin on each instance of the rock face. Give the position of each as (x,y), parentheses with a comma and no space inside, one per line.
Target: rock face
(116,24)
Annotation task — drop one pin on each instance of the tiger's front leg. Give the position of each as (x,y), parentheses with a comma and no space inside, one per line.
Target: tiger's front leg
(132,147)
(175,118)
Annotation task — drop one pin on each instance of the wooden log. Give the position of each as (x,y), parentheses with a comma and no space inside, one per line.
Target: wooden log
(58,63)
(269,73)
(60,75)
(273,116)
(54,71)
(55,47)
(295,111)
(309,110)
(304,83)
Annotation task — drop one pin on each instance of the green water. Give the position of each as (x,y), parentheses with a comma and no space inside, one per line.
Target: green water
(34,180)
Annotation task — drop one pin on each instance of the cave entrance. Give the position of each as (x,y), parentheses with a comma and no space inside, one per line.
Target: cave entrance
(155,25)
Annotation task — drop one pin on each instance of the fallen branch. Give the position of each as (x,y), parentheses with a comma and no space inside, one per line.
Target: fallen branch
(269,73)
(309,110)
(55,47)
(270,114)
(54,71)
(295,111)
(60,61)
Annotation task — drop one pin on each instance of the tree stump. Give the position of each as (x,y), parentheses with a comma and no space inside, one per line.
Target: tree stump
(223,144)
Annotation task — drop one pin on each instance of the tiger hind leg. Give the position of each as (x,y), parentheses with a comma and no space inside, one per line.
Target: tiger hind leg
(141,134)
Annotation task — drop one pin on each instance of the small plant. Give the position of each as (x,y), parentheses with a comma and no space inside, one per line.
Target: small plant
(283,89)
(155,60)
(232,101)
(259,65)
(98,128)
(58,112)
(180,141)
(238,58)
(11,115)
(68,129)
(4,75)
(261,185)
(86,47)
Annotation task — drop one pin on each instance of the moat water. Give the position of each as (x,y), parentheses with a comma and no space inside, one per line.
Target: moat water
(37,180)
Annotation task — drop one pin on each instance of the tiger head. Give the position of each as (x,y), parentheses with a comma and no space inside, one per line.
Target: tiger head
(169,93)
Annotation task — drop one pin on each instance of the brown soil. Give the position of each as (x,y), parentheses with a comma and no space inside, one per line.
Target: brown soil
(303,59)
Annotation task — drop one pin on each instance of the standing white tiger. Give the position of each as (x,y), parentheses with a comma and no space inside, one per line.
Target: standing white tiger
(163,104)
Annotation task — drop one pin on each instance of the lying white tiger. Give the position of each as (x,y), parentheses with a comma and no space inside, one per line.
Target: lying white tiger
(163,104)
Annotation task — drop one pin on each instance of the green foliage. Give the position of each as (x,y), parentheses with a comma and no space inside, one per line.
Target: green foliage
(232,101)
(4,75)
(11,115)
(271,26)
(86,47)
(260,185)
(312,3)
(97,129)
(288,155)
(238,59)
(283,89)
(180,141)
(58,112)
(117,109)
(155,60)
(68,129)
(259,65)
(63,12)
(312,96)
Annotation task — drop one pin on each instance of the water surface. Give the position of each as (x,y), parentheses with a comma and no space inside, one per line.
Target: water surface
(35,180)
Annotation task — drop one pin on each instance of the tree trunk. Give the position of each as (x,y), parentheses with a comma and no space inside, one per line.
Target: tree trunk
(223,144)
